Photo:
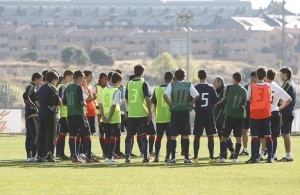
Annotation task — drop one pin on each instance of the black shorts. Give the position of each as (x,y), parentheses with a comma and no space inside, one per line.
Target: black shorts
(161,128)
(151,128)
(260,127)
(111,130)
(275,123)
(136,125)
(247,121)
(233,124)
(286,122)
(79,126)
(63,125)
(180,123)
(91,120)
(204,120)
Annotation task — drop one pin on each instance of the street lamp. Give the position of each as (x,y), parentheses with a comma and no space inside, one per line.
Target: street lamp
(184,19)
(283,35)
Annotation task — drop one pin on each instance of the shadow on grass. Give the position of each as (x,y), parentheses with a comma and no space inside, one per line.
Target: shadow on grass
(121,164)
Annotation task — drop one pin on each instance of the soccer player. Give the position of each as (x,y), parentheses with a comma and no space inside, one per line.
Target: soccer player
(236,97)
(177,96)
(102,83)
(277,94)
(163,116)
(49,101)
(259,95)
(246,126)
(287,113)
(63,123)
(111,113)
(31,116)
(117,150)
(204,117)
(78,123)
(138,99)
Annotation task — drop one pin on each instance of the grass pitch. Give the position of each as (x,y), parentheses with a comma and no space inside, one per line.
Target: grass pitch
(19,177)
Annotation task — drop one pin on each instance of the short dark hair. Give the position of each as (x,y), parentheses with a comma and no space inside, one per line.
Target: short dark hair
(131,77)
(68,73)
(253,74)
(118,71)
(116,77)
(44,73)
(237,76)
(60,79)
(109,75)
(286,70)
(180,74)
(51,75)
(139,70)
(36,75)
(271,73)
(261,73)
(220,80)
(202,74)
(168,77)
(87,73)
(78,74)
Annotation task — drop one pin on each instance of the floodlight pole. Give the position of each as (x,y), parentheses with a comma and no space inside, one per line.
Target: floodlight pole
(283,58)
(185,18)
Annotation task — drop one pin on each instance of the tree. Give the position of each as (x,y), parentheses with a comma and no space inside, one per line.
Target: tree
(31,55)
(74,55)
(101,56)
(161,64)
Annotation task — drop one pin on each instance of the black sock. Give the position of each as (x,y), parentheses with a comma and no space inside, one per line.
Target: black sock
(196,146)
(173,148)
(237,149)
(157,146)
(62,145)
(88,146)
(274,145)
(117,145)
(230,145)
(128,141)
(255,148)
(211,145)
(181,144)
(168,148)
(139,141)
(111,146)
(132,143)
(72,145)
(223,149)
(101,140)
(144,146)
(186,148)
(151,143)
(269,145)
(78,142)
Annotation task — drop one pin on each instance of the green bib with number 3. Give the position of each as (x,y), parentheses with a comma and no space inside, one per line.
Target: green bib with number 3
(107,100)
(136,101)
(163,113)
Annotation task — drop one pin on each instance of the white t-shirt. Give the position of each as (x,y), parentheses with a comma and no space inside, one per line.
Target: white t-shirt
(249,90)
(117,96)
(277,93)
(193,91)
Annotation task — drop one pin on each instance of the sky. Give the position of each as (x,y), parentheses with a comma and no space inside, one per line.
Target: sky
(292,5)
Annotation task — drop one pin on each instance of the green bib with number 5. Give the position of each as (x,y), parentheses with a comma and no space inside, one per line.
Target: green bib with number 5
(136,101)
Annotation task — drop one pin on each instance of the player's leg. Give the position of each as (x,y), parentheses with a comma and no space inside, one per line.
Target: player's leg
(185,131)
(28,140)
(173,134)
(266,128)
(86,140)
(139,142)
(245,151)
(41,141)
(255,126)
(159,135)
(131,131)
(61,139)
(151,132)
(50,137)
(275,129)
(198,132)
(210,129)
(142,126)
(117,136)
(168,150)
(287,120)
(263,147)
(73,132)
(114,132)
(237,132)
(101,136)
(227,127)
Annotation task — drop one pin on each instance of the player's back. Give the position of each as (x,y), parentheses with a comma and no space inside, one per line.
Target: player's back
(236,97)
(74,94)
(260,103)
(207,97)
(136,99)
(162,109)
(180,95)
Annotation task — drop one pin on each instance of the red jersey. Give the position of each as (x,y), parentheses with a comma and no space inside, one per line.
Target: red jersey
(260,105)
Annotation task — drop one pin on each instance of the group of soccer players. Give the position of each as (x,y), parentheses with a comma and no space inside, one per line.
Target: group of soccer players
(56,106)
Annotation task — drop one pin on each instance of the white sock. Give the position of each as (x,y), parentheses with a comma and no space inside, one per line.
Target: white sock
(289,155)
(262,153)
(245,150)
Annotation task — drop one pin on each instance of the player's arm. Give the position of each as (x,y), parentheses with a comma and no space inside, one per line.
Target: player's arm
(195,95)
(101,109)
(28,91)
(167,95)
(287,100)
(147,96)
(154,101)
(249,93)
(80,96)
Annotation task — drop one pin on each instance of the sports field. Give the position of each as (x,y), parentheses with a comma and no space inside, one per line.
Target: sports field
(19,177)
